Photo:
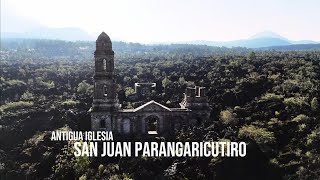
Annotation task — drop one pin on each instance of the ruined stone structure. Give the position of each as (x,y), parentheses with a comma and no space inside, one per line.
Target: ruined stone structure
(144,89)
(142,92)
(149,118)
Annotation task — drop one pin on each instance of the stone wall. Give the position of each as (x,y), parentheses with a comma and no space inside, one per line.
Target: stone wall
(129,123)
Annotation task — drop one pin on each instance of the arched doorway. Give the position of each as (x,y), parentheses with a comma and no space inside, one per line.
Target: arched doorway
(177,122)
(102,123)
(152,123)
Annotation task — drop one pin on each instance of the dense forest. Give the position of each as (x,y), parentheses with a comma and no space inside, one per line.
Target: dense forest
(267,98)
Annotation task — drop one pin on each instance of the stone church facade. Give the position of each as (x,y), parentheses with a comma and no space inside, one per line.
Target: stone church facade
(149,118)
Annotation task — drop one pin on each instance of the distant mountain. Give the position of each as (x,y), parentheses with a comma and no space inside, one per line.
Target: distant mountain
(268,34)
(69,34)
(304,42)
(259,40)
(293,47)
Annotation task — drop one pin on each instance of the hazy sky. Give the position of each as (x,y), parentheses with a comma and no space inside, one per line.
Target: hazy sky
(168,20)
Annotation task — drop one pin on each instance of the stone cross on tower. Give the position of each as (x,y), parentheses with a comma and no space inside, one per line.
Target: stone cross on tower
(104,95)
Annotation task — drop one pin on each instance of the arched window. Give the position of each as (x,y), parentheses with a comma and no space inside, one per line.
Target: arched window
(152,124)
(104,64)
(105,90)
(126,126)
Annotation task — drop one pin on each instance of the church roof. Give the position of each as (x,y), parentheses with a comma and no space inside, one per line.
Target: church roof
(104,36)
(152,104)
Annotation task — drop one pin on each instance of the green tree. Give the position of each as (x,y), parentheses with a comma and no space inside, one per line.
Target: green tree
(81,165)
(227,117)
(251,55)
(261,135)
(27,96)
(129,91)
(165,83)
(314,104)
(83,87)
(63,168)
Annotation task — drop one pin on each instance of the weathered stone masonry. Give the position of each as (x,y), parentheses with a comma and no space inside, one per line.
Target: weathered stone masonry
(150,118)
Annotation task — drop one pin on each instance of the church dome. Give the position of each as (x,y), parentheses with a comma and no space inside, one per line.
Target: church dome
(104,37)
(104,44)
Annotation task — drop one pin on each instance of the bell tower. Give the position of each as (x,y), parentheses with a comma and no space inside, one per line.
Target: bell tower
(104,95)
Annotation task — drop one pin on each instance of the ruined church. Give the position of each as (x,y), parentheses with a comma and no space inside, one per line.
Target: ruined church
(151,118)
